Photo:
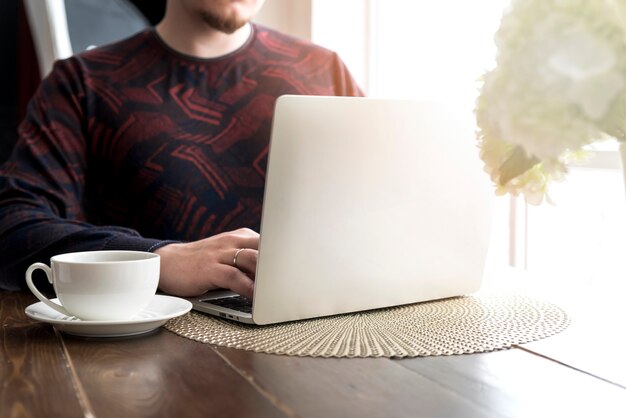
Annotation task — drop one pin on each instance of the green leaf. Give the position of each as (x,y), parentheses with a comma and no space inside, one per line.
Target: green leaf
(517,164)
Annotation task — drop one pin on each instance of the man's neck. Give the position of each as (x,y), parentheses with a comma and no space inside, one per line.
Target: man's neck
(201,41)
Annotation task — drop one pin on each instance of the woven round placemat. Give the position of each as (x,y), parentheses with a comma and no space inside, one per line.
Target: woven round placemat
(459,325)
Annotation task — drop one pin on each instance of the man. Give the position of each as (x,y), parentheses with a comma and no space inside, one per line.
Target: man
(159,143)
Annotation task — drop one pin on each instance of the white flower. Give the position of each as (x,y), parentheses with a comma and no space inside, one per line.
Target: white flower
(558,85)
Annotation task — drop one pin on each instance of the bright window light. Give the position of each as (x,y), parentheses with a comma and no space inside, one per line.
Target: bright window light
(437,50)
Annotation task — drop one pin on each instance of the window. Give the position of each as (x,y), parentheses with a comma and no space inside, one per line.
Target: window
(426,50)
(581,239)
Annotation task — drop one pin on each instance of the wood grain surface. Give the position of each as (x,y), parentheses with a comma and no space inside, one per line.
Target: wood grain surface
(45,373)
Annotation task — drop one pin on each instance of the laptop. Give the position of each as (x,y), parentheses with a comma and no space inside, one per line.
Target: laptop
(369,203)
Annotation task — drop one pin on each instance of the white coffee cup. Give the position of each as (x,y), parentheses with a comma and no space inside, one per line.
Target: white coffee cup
(100,285)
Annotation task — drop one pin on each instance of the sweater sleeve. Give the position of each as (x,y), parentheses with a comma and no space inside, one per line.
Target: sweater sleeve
(42,184)
(343,82)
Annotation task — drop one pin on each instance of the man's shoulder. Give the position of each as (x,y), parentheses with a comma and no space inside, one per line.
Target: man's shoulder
(106,60)
(107,63)
(119,49)
(284,44)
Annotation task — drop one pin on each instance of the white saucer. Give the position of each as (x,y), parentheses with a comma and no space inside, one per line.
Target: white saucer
(157,313)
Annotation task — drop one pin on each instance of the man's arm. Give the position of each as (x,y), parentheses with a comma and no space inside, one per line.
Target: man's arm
(42,205)
(42,185)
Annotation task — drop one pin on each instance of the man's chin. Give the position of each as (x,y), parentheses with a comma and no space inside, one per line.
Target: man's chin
(227,26)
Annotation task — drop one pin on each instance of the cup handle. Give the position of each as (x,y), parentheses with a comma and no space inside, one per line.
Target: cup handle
(36,292)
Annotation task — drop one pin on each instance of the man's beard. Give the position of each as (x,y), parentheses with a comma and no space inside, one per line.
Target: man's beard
(223,24)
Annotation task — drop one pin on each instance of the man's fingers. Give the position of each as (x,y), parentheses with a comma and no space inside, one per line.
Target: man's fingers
(237,281)
(247,242)
(244,238)
(245,259)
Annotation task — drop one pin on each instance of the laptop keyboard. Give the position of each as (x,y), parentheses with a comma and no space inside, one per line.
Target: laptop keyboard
(236,303)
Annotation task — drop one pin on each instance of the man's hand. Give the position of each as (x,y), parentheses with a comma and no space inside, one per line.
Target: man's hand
(190,269)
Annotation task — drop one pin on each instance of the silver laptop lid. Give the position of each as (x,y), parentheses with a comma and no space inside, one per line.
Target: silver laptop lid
(369,203)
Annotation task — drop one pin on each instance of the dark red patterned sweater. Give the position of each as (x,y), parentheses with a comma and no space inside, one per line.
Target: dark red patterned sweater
(132,144)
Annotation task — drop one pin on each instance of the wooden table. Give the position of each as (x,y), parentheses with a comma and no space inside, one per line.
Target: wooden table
(45,373)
